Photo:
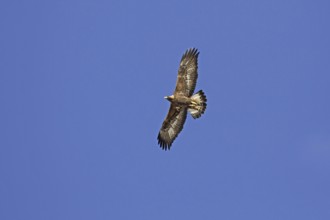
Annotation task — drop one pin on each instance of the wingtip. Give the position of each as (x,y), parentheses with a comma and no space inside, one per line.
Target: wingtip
(191,52)
(162,144)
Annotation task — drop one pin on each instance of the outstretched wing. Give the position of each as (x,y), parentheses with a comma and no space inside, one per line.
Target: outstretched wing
(187,74)
(172,126)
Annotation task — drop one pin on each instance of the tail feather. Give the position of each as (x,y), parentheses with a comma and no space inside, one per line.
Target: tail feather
(198,105)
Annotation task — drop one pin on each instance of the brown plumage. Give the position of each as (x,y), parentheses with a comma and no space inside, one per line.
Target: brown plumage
(182,100)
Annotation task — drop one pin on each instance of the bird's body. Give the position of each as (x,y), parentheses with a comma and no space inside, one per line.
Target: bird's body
(183,100)
(179,100)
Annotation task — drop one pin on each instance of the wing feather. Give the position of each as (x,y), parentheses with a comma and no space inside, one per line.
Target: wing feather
(187,73)
(172,126)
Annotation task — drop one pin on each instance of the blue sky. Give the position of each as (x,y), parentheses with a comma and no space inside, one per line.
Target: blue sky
(81,92)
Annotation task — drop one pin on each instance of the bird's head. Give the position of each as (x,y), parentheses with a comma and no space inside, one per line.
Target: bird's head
(169,98)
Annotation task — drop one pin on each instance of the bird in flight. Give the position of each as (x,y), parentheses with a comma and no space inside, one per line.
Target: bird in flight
(183,100)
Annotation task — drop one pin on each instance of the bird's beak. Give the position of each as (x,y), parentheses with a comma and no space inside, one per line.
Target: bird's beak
(165,97)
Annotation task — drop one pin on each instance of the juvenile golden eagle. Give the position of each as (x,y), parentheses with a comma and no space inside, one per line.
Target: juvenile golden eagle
(182,100)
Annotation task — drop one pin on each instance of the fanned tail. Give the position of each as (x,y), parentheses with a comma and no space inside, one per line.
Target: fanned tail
(198,104)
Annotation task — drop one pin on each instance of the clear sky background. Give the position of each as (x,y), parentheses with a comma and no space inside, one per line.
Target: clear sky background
(81,101)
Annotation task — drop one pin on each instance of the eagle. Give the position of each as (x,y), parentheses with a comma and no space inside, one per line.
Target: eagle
(183,100)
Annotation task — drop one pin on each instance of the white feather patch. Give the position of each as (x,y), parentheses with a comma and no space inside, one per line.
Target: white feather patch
(192,111)
(197,97)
